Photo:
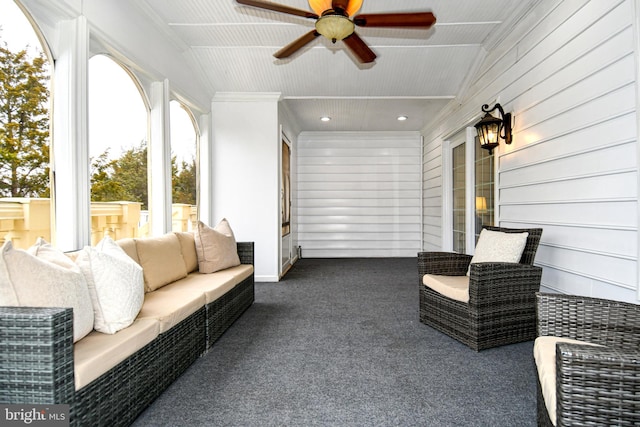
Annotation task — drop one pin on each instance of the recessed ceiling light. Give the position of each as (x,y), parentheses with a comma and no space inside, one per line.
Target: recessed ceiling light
(402,118)
(325,118)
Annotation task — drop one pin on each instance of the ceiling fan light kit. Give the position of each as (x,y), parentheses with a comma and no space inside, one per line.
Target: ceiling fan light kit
(333,21)
(335,27)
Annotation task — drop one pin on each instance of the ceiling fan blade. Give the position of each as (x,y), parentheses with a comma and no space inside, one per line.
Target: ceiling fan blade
(278,8)
(400,20)
(360,48)
(296,45)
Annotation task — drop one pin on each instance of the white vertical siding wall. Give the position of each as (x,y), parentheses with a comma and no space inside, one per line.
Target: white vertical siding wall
(568,75)
(359,194)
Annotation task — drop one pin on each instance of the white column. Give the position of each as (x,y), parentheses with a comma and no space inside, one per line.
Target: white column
(70,152)
(205,171)
(159,160)
(246,190)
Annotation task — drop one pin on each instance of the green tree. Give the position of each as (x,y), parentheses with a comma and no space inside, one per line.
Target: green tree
(130,171)
(103,187)
(24,125)
(124,178)
(183,180)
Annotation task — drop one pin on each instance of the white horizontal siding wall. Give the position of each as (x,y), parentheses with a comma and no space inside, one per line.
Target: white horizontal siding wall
(432,195)
(568,74)
(359,194)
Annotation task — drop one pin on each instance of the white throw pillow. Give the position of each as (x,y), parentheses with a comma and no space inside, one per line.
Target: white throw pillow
(215,247)
(45,277)
(498,246)
(116,285)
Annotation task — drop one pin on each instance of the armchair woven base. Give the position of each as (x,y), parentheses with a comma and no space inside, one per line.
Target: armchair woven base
(498,324)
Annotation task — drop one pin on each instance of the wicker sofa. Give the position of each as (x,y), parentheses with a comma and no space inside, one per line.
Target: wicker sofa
(110,379)
(588,360)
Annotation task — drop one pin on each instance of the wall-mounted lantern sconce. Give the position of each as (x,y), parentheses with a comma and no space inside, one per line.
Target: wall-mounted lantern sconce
(491,129)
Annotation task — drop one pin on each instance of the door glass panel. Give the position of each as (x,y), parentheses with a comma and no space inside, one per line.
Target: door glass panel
(458,157)
(484,188)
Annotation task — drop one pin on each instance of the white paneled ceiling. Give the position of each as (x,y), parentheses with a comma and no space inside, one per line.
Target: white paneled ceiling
(416,72)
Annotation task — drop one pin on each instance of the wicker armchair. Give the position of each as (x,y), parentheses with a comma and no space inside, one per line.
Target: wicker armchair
(595,386)
(501,307)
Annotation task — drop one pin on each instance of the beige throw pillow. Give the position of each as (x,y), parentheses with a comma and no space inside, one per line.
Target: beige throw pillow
(216,247)
(161,260)
(45,277)
(498,246)
(115,284)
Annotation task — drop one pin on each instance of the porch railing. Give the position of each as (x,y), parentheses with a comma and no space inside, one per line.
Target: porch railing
(23,220)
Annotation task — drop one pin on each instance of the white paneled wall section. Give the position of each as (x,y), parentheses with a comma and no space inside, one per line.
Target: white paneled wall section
(359,194)
(569,76)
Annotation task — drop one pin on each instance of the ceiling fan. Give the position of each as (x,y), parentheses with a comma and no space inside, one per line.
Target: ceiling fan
(334,21)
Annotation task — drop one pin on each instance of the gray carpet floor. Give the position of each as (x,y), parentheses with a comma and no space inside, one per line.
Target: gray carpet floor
(338,342)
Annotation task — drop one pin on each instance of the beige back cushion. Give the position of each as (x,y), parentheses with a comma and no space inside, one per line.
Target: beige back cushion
(128,245)
(161,260)
(188,247)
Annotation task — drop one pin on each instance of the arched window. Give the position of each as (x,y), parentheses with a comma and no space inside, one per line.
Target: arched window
(25,208)
(118,128)
(184,141)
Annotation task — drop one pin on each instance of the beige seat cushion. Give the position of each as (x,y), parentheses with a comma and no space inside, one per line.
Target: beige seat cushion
(454,287)
(240,272)
(170,305)
(161,260)
(214,285)
(544,354)
(97,353)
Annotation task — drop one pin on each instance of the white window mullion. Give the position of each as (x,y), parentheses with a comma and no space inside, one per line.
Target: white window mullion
(70,147)
(159,159)
(204,170)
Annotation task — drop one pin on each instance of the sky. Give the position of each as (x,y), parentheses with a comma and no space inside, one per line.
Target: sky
(117,116)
